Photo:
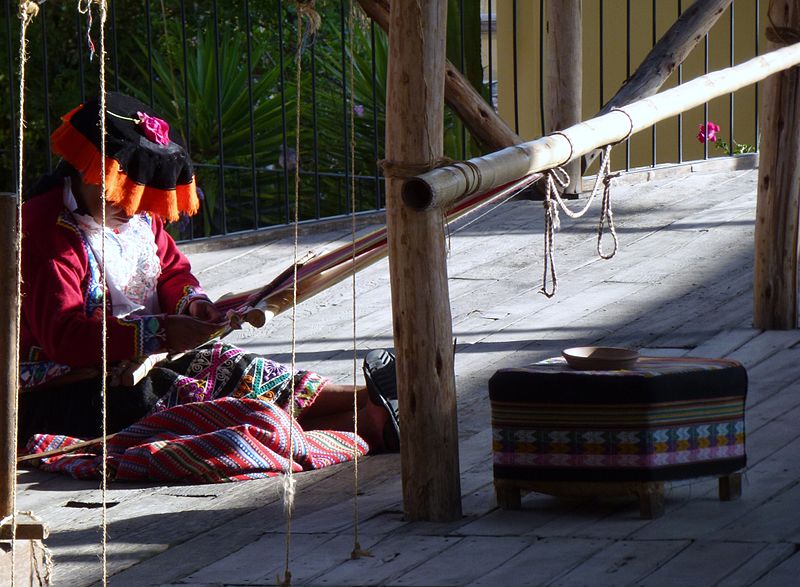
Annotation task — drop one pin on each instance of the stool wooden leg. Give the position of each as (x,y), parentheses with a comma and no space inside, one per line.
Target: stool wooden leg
(651,501)
(508,497)
(730,487)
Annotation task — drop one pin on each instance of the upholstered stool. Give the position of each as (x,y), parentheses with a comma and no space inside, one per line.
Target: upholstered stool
(566,432)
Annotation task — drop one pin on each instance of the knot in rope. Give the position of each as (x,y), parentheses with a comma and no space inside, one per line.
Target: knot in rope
(307,10)
(28,9)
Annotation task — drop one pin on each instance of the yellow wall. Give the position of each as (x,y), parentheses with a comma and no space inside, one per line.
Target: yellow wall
(615,68)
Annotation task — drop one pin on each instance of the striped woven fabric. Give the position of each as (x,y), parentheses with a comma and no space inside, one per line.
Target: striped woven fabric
(227,439)
(625,436)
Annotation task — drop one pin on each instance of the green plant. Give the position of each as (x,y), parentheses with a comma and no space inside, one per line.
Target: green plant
(222,110)
(367,101)
(708,132)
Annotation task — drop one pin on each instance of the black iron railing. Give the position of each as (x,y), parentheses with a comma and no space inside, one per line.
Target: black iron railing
(223,73)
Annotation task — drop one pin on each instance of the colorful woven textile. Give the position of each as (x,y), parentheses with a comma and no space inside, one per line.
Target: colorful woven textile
(226,439)
(665,419)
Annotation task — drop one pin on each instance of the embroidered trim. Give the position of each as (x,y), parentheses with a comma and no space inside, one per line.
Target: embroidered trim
(149,334)
(36,373)
(93,293)
(190,293)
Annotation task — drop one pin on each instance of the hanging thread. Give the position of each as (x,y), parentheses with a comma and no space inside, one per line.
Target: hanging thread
(357,551)
(27,12)
(85,7)
(104,319)
(305,11)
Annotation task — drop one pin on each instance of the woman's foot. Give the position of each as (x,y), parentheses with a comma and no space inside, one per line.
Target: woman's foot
(381,378)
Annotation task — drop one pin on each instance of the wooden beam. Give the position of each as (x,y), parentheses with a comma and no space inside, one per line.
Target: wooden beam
(778,204)
(479,117)
(28,528)
(442,186)
(563,74)
(670,51)
(8,350)
(422,321)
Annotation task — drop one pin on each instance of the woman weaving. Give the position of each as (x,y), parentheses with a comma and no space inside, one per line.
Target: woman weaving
(153,303)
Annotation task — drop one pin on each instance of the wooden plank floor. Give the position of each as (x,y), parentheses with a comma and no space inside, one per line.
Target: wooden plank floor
(681,284)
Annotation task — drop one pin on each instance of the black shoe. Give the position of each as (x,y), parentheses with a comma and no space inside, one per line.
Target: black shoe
(381,378)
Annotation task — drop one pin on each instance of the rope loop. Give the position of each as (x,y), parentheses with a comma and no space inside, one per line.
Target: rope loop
(555,178)
(630,121)
(606,215)
(571,147)
(472,186)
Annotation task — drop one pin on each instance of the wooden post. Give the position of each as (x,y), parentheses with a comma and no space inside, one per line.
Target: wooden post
(479,117)
(420,300)
(778,205)
(563,75)
(8,349)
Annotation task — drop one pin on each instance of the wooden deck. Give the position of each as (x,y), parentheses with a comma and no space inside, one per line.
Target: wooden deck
(681,284)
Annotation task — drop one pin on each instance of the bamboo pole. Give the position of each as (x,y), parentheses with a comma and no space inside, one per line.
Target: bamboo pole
(417,266)
(563,75)
(778,204)
(8,349)
(479,117)
(439,187)
(670,51)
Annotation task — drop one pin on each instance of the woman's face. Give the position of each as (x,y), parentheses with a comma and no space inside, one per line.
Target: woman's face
(89,196)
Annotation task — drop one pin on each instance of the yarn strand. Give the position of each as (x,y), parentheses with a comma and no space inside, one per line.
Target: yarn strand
(27,11)
(103,279)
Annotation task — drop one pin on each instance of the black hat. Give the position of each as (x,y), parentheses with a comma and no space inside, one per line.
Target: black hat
(146,169)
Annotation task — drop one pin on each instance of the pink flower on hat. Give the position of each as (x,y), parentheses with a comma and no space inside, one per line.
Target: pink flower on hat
(155,129)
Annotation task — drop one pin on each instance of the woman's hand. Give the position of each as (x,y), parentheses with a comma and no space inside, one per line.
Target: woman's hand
(185,332)
(203,309)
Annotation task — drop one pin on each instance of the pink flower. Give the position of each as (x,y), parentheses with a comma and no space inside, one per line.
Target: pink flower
(358,110)
(154,129)
(708,132)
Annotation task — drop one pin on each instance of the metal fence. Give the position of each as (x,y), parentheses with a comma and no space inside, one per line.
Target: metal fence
(617,34)
(223,73)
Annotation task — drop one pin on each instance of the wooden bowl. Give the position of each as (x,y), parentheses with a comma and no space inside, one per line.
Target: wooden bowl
(600,358)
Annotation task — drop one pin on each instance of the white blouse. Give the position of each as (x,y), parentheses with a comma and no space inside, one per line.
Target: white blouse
(133,266)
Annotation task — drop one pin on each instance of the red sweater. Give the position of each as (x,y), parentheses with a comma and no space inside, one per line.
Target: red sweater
(61,314)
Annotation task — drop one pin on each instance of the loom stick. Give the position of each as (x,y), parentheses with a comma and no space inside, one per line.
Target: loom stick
(9,378)
(64,449)
(441,187)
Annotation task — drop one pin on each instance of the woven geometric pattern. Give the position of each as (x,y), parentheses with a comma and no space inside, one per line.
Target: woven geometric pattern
(213,441)
(550,422)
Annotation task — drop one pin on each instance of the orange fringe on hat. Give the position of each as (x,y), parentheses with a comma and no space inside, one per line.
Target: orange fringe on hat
(121,190)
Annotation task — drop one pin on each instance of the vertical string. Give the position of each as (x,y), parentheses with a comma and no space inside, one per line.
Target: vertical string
(357,551)
(27,10)
(288,480)
(104,320)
